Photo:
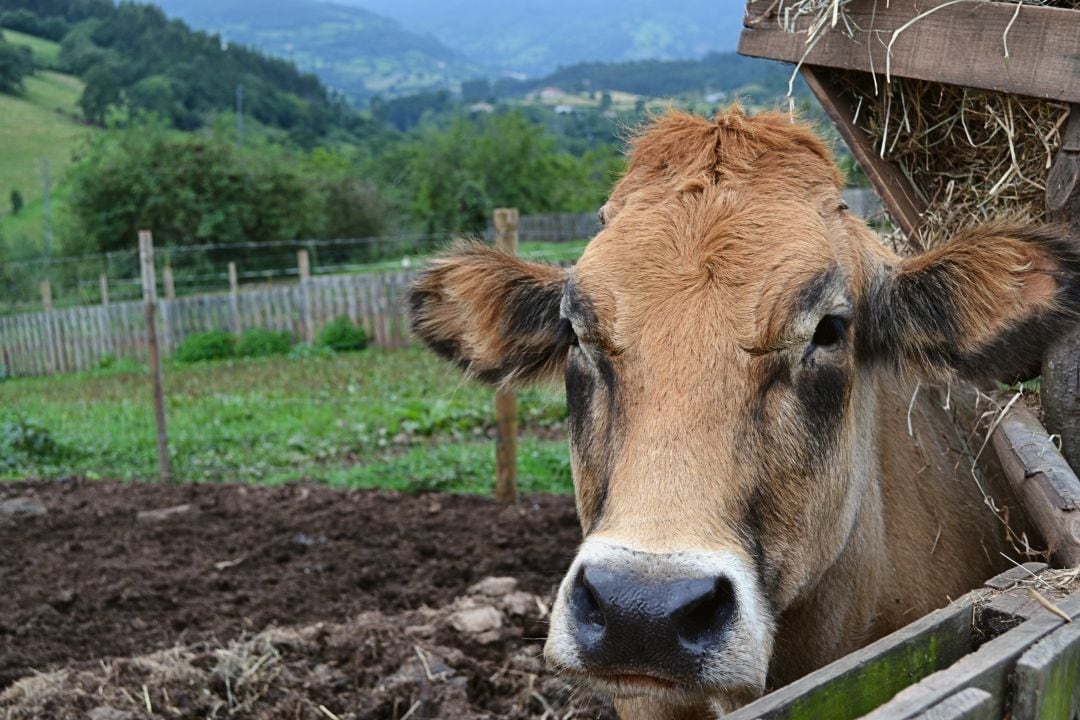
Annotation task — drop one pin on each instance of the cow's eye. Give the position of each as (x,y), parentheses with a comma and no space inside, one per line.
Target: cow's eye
(830,332)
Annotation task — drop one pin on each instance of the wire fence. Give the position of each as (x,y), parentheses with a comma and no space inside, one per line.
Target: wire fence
(194,269)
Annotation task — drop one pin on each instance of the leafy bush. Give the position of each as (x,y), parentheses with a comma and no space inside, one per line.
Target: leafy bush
(23,441)
(307,351)
(212,345)
(342,334)
(260,342)
(112,365)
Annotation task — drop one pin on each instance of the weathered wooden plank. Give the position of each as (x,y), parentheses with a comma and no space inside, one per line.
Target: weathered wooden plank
(1061,362)
(1047,685)
(988,668)
(861,681)
(29,367)
(1014,575)
(969,704)
(962,43)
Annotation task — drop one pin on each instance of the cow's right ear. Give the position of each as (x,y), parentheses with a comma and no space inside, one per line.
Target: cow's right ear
(494,315)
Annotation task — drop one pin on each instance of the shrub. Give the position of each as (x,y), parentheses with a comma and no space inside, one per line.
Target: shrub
(25,441)
(307,351)
(260,342)
(212,345)
(342,334)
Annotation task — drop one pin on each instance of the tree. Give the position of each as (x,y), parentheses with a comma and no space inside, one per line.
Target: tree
(16,202)
(16,62)
(194,189)
(454,177)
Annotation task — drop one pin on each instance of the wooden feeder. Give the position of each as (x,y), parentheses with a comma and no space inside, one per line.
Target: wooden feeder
(1010,649)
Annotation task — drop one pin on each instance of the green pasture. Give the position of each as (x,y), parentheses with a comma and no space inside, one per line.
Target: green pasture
(39,124)
(395,419)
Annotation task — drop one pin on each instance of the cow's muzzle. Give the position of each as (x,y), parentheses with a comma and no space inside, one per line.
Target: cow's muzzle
(633,625)
(682,627)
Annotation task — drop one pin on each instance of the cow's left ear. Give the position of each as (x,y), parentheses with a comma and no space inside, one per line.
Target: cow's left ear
(495,316)
(984,305)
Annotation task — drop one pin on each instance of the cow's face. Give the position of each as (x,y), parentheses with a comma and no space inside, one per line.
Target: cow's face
(720,341)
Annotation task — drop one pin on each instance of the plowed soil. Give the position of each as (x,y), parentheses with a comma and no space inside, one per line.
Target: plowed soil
(364,584)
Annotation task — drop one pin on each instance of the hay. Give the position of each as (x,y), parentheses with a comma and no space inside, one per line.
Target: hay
(970,155)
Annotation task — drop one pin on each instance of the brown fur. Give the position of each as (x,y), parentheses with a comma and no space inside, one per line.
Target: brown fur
(702,418)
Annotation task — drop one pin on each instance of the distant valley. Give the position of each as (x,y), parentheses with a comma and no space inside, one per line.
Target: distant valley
(390,48)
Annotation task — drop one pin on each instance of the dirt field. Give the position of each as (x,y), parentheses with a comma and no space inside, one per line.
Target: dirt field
(371,594)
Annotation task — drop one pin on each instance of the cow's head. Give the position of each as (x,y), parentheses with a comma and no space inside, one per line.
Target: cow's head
(721,340)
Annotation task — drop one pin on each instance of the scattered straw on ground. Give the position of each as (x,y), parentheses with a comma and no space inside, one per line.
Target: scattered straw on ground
(468,660)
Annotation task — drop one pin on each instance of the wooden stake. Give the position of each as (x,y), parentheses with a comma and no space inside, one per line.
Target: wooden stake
(103,283)
(51,356)
(506,239)
(1061,366)
(149,284)
(168,283)
(234,299)
(46,295)
(305,294)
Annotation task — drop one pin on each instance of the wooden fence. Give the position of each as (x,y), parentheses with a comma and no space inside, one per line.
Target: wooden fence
(79,338)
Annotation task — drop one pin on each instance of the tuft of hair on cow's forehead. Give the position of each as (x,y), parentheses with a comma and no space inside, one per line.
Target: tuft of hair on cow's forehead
(732,149)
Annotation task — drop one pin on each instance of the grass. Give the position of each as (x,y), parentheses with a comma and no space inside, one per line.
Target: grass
(40,123)
(396,419)
(46,52)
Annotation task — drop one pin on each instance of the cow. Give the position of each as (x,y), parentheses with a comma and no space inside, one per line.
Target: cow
(761,485)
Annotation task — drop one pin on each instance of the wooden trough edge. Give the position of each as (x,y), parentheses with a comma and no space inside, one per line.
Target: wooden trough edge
(1042,481)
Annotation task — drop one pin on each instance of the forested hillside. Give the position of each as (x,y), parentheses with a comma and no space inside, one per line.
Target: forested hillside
(726,72)
(132,58)
(351,49)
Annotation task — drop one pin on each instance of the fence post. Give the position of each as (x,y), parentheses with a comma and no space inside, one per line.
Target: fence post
(168,283)
(149,285)
(305,295)
(103,283)
(234,299)
(50,340)
(506,239)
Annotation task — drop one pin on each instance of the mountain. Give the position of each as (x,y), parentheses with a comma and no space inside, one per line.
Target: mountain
(537,36)
(353,50)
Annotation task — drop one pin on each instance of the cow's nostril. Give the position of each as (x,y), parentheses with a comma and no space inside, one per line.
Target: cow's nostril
(701,617)
(588,606)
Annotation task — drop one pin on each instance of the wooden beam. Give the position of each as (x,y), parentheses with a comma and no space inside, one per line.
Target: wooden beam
(506,409)
(1061,365)
(1042,481)
(889,182)
(961,43)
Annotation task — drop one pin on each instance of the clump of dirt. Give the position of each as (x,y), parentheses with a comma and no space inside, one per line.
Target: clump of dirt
(106,569)
(468,660)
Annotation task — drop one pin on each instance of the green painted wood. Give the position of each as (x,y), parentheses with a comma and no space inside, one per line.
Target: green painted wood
(1048,678)
(861,681)
(989,668)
